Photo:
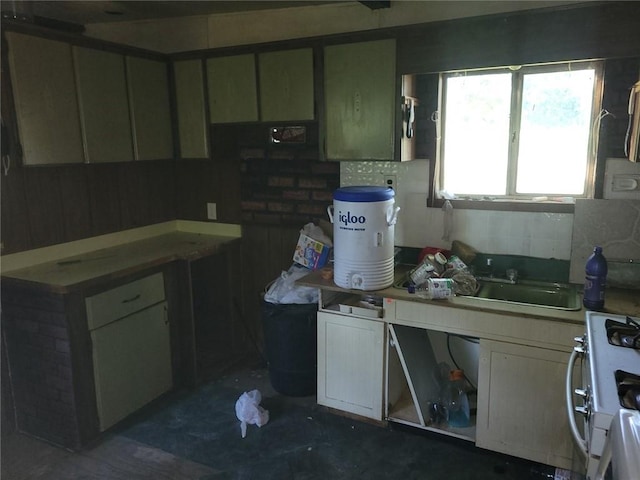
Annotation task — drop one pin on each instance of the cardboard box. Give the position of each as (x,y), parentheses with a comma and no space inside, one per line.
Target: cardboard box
(310,253)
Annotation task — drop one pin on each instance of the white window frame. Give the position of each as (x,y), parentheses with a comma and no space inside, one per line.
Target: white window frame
(514,127)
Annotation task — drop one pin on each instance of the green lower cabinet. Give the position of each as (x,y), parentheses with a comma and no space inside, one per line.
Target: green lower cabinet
(132,363)
(360,100)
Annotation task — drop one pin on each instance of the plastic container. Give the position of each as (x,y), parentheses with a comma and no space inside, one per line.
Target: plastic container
(422,272)
(363,220)
(291,344)
(433,288)
(595,280)
(456,400)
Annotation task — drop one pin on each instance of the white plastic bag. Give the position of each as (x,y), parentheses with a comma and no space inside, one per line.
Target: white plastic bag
(285,290)
(249,411)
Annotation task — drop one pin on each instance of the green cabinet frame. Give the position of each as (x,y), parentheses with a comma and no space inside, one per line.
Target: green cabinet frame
(232,89)
(360,100)
(286,85)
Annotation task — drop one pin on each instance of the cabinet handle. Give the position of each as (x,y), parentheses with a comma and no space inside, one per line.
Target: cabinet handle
(132,299)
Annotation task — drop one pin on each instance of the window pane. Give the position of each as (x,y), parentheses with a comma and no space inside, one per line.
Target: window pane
(476,134)
(554,132)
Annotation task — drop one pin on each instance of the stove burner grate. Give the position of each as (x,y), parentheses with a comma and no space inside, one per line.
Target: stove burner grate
(623,334)
(628,389)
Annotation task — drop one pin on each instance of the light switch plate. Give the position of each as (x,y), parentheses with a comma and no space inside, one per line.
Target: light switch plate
(212,211)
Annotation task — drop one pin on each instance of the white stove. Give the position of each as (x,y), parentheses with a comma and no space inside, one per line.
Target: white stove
(610,380)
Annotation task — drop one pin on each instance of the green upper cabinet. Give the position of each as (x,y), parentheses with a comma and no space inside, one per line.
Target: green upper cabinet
(150,109)
(45,100)
(286,85)
(360,100)
(192,115)
(104,106)
(232,90)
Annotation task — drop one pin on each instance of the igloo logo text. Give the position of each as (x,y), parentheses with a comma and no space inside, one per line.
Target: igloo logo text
(349,218)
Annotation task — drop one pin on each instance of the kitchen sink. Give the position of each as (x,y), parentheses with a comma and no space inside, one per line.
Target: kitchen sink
(542,294)
(559,296)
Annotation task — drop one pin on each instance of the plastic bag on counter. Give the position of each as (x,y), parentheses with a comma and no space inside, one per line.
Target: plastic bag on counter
(464,283)
(249,411)
(284,288)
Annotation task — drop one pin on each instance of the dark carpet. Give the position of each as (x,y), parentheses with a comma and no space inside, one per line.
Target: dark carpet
(304,441)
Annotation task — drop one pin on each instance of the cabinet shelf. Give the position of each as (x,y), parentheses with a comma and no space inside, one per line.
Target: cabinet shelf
(357,305)
(412,382)
(404,411)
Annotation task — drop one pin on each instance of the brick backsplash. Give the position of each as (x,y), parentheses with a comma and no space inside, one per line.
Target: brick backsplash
(292,188)
(279,184)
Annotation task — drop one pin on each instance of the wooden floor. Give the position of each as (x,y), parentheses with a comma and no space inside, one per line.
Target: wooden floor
(115,458)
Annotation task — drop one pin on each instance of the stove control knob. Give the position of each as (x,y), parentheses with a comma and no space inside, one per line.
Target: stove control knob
(582,392)
(583,409)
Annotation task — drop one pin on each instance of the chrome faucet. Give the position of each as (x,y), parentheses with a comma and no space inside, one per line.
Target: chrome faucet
(511,274)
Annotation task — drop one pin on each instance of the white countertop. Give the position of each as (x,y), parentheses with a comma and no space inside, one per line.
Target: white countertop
(64,267)
(617,301)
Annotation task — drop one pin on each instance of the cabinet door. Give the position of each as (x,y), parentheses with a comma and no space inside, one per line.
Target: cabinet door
(232,89)
(521,403)
(150,109)
(44,88)
(351,364)
(131,363)
(286,85)
(360,92)
(104,105)
(192,117)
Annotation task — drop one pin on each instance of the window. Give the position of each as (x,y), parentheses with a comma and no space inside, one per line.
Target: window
(519,132)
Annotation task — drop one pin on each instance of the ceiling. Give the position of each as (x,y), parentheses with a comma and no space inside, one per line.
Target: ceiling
(85,12)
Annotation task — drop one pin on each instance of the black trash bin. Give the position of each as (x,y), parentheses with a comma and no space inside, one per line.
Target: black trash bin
(290,344)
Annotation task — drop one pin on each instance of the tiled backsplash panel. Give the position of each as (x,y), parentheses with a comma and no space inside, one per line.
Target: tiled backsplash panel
(539,234)
(615,226)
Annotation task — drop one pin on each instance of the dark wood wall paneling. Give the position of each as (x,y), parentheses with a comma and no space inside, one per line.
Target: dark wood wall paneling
(44,206)
(267,250)
(619,75)
(200,181)
(599,30)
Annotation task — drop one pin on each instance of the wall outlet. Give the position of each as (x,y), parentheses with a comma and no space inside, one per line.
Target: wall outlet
(212,211)
(390,181)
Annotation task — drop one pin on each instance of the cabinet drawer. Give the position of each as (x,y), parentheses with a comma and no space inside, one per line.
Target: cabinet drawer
(124,300)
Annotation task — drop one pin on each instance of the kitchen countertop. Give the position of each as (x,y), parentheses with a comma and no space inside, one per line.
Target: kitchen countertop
(617,301)
(67,273)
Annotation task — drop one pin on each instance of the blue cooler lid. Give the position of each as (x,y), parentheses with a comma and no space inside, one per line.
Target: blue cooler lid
(365,193)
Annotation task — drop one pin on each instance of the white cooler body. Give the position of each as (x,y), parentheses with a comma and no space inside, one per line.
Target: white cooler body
(363,220)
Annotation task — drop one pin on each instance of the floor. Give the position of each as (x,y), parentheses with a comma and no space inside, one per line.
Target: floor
(195,435)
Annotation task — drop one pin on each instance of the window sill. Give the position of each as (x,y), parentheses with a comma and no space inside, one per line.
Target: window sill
(506,205)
